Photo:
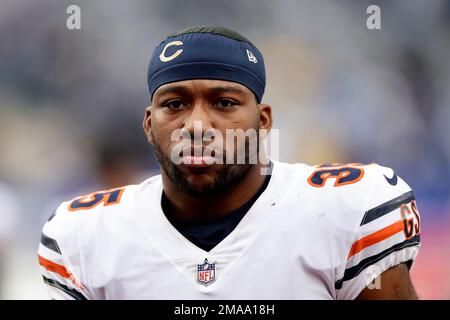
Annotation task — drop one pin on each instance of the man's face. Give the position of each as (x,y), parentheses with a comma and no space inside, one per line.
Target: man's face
(202,106)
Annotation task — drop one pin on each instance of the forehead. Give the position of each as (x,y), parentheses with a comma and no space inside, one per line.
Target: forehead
(203,86)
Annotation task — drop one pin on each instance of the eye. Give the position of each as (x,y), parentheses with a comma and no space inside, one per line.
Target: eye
(225,103)
(174,104)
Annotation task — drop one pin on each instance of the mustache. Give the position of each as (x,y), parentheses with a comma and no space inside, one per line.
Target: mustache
(205,150)
(197,148)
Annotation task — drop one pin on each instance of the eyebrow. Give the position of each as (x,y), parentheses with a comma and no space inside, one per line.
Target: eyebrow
(172,89)
(184,90)
(223,89)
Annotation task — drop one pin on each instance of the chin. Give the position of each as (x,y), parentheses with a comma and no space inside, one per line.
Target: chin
(200,183)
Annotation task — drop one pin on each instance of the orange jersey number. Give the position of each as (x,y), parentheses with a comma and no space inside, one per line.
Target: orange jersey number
(411,219)
(108,197)
(343,173)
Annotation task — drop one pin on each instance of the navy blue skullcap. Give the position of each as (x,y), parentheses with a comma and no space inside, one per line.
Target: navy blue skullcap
(207,52)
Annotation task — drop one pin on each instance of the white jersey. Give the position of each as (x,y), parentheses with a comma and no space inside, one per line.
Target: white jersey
(323,232)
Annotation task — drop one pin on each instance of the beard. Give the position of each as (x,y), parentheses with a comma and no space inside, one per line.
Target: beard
(227,177)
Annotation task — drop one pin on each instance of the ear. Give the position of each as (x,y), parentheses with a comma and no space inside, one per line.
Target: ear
(265,116)
(147,124)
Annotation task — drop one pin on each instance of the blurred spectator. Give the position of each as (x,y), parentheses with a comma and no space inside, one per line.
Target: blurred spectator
(72,102)
(9,222)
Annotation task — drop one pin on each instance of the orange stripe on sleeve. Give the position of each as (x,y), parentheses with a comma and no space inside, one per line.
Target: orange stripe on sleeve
(59,269)
(375,237)
(54,267)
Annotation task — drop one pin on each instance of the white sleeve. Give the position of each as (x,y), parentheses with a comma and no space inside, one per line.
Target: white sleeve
(387,235)
(60,275)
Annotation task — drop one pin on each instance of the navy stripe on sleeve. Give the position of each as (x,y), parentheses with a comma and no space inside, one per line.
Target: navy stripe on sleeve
(71,292)
(387,207)
(354,271)
(50,243)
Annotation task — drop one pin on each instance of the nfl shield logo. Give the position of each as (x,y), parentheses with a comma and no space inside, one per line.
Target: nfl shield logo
(206,272)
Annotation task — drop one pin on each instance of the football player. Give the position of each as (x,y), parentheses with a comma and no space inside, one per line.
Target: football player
(210,229)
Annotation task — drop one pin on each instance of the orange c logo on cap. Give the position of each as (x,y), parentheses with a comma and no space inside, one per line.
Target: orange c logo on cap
(162,56)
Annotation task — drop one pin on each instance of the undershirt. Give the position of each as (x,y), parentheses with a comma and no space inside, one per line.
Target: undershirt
(207,234)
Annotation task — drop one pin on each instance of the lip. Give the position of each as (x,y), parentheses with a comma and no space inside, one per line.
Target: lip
(198,162)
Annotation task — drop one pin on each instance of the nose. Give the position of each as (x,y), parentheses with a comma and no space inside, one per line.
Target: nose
(199,119)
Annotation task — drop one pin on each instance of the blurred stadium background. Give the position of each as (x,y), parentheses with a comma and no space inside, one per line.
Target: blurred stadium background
(71,104)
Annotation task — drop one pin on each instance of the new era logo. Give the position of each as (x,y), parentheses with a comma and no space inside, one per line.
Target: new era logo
(251,57)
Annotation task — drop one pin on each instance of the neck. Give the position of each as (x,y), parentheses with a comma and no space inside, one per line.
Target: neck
(188,207)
